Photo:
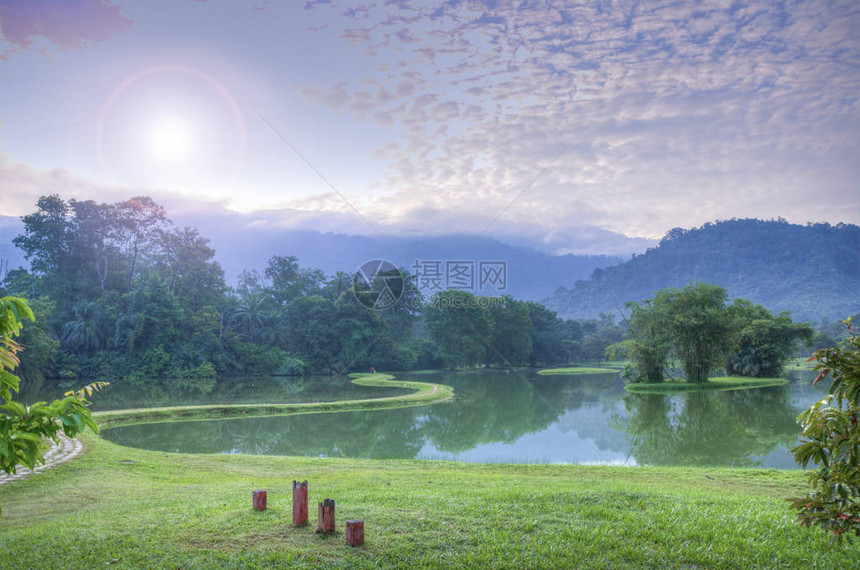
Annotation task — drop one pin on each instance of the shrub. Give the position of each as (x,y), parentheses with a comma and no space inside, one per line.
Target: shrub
(831,441)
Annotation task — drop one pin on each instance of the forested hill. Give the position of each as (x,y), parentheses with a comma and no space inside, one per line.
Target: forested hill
(813,271)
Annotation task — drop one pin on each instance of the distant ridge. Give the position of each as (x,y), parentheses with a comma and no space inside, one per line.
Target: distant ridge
(531,275)
(813,271)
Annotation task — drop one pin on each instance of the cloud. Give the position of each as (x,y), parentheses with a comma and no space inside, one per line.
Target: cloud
(70,24)
(681,113)
(22,184)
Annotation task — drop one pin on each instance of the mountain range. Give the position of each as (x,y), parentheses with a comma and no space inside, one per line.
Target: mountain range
(812,271)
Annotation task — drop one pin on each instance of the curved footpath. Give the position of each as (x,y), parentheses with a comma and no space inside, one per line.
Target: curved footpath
(58,453)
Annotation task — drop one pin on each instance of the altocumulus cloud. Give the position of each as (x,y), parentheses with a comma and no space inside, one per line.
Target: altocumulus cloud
(684,112)
(70,24)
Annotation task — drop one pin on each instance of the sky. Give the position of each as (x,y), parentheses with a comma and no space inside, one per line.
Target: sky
(566,124)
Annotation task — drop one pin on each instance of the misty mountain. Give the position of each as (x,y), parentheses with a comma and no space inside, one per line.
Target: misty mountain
(240,246)
(813,271)
(531,274)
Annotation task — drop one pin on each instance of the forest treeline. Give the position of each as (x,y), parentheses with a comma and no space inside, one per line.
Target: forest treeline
(121,293)
(812,271)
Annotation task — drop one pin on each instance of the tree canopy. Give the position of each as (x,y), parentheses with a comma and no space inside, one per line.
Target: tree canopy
(695,325)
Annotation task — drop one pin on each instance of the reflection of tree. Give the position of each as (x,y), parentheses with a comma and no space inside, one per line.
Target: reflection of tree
(713,429)
(489,407)
(376,434)
(158,392)
(496,407)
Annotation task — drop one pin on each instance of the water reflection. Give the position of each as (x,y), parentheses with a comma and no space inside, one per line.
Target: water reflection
(256,390)
(521,417)
(735,428)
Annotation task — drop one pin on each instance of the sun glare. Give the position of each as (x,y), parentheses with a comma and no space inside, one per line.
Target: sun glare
(170,139)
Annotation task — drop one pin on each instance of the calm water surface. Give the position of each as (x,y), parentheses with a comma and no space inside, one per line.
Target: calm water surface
(515,417)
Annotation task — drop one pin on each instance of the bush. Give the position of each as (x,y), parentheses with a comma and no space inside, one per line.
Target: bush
(831,440)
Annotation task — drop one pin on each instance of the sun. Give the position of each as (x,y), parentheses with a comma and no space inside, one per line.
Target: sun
(170,139)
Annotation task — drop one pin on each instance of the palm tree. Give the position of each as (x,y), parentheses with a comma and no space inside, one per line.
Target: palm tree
(249,315)
(88,331)
(273,331)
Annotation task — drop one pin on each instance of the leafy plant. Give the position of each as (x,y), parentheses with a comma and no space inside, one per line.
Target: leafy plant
(25,429)
(831,440)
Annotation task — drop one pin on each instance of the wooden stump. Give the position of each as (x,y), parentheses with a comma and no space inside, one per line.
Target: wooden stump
(300,503)
(355,533)
(325,523)
(260,500)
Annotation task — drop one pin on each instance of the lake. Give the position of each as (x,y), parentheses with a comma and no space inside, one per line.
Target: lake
(497,416)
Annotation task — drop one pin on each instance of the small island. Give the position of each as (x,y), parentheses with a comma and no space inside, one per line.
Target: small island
(712,385)
(576,370)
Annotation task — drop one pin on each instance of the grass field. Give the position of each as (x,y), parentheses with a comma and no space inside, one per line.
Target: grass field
(133,509)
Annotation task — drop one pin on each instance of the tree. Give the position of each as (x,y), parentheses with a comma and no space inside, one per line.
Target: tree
(93,228)
(831,440)
(700,327)
(45,243)
(766,342)
(43,352)
(22,428)
(88,331)
(290,281)
(459,326)
(510,341)
(250,313)
(185,260)
(547,336)
(650,343)
(140,221)
(314,331)
(46,232)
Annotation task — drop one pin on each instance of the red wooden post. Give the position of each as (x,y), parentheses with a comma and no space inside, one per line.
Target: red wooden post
(325,522)
(260,500)
(355,533)
(300,503)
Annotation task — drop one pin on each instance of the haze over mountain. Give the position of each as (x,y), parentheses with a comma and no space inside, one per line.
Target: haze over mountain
(813,271)
(246,242)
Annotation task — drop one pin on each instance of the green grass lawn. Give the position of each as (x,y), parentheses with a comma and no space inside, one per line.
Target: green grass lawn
(713,384)
(150,509)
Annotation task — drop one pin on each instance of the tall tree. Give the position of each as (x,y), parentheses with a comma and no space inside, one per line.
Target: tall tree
(650,342)
(186,261)
(289,281)
(547,336)
(93,229)
(140,221)
(766,341)
(46,245)
(459,326)
(510,340)
(701,328)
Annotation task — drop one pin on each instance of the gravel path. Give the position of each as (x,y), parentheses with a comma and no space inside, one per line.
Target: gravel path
(58,453)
